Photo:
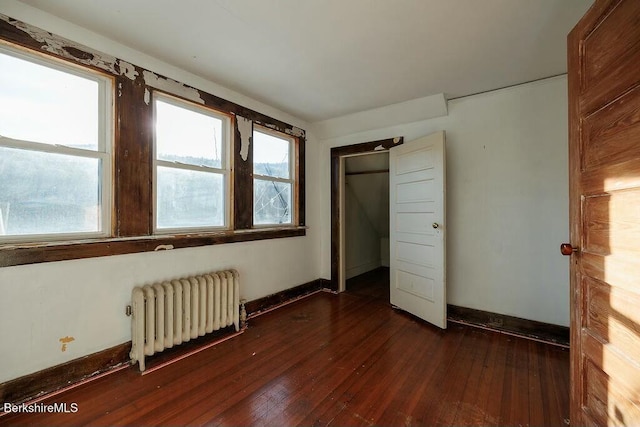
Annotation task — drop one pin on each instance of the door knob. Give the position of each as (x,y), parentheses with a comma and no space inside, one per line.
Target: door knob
(435,225)
(567,249)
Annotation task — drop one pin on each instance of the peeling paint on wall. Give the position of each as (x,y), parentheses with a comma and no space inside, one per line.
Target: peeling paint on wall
(65,340)
(127,70)
(71,50)
(147,96)
(295,131)
(67,48)
(172,86)
(245,127)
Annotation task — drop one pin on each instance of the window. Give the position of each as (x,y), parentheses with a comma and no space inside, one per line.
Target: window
(55,150)
(91,166)
(273,183)
(191,173)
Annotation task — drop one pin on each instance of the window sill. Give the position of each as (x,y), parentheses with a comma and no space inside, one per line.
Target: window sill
(33,253)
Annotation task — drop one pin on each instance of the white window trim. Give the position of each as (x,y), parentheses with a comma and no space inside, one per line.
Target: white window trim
(103,153)
(225,171)
(291,180)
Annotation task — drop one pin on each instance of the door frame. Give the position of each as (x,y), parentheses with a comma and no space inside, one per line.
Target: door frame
(337,180)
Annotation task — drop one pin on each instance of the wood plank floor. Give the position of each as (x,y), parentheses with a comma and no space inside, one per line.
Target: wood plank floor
(339,360)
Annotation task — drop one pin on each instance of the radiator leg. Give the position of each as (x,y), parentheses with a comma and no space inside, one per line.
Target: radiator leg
(137,328)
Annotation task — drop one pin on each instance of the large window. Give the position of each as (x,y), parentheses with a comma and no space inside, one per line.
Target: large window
(101,157)
(191,167)
(55,150)
(273,184)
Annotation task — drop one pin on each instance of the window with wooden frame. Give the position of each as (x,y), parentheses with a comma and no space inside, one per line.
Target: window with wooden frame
(141,162)
(273,178)
(55,149)
(191,167)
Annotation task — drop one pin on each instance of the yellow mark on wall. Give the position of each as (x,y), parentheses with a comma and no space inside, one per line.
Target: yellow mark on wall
(65,341)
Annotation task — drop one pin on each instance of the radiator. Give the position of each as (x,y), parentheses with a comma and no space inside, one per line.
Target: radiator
(173,312)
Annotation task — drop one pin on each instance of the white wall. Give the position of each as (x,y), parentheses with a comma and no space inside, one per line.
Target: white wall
(362,241)
(86,299)
(507,198)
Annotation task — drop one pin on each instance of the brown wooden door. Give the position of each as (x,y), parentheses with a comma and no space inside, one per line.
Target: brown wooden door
(604,134)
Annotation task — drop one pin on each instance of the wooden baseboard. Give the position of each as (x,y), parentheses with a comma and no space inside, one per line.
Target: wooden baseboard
(51,379)
(553,334)
(260,305)
(326,284)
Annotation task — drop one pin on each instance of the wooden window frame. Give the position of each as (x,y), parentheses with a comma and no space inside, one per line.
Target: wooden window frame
(103,151)
(224,170)
(132,190)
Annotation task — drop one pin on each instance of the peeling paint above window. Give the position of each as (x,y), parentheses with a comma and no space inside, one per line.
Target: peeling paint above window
(172,86)
(245,127)
(295,131)
(127,70)
(66,48)
(147,96)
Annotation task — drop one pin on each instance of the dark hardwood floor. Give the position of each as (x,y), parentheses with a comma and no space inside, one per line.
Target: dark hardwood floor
(373,284)
(347,359)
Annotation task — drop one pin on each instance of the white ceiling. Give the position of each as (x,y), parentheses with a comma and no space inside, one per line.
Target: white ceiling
(319,59)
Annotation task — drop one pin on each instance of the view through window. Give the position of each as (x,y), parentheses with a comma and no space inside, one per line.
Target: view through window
(192,174)
(55,165)
(273,178)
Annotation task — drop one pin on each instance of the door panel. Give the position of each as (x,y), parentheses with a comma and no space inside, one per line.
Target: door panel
(416,183)
(604,163)
(611,52)
(415,284)
(610,134)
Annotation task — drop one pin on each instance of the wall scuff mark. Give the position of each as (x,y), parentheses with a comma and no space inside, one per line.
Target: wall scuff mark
(65,340)
(245,127)
(163,247)
(172,86)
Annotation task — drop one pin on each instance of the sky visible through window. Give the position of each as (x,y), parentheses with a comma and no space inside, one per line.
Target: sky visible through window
(41,104)
(187,136)
(269,149)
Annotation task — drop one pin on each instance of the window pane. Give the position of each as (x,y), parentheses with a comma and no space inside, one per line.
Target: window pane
(270,155)
(271,202)
(45,105)
(188,198)
(183,135)
(44,193)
